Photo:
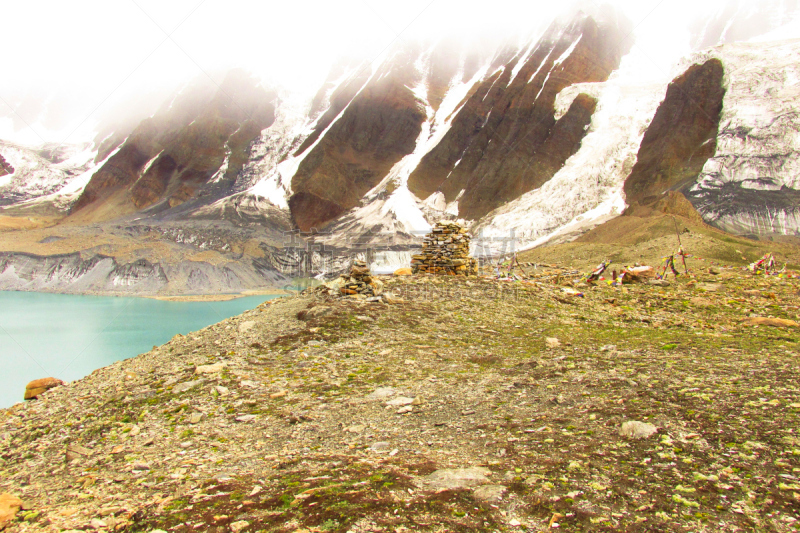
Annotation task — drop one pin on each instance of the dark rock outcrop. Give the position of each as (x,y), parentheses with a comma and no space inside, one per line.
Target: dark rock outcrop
(376,129)
(5,167)
(682,135)
(670,203)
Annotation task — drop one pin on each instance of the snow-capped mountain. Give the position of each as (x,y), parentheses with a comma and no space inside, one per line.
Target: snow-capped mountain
(30,174)
(540,138)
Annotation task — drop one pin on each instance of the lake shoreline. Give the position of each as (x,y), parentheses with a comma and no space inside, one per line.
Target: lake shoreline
(207,297)
(69,336)
(220,297)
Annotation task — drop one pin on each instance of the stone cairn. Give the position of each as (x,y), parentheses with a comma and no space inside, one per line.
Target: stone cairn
(360,281)
(445,250)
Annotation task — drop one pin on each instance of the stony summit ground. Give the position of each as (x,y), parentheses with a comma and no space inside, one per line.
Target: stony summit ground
(465,405)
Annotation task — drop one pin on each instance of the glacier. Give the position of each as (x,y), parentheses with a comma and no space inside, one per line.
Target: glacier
(748,185)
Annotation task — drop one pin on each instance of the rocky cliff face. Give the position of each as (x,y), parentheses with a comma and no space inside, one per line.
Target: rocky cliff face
(682,135)
(73,273)
(373,131)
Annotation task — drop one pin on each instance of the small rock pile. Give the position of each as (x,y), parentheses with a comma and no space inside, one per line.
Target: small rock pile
(360,281)
(445,251)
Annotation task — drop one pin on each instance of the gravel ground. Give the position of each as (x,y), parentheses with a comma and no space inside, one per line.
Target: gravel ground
(465,405)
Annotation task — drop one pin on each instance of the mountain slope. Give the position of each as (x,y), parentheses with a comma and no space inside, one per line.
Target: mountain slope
(29,173)
(506,141)
(184,150)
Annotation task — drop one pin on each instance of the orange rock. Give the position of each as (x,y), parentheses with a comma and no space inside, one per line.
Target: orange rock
(38,386)
(768,321)
(403,272)
(9,507)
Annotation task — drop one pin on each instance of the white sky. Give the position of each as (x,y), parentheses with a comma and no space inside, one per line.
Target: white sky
(99,54)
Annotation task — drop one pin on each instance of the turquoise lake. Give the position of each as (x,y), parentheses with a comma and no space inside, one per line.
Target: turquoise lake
(69,336)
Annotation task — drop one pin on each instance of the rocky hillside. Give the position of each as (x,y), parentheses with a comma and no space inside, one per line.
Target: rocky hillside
(465,404)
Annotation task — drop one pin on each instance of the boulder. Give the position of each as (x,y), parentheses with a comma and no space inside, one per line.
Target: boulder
(246,326)
(490,493)
(455,478)
(638,274)
(316,312)
(403,272)
(400,400)
(634,429)
(769,321)
(186,385)
(210,369)
(38,386)
(76,451)
(390,298)
(377,286)
(383,392)
(9,507)
(335,285)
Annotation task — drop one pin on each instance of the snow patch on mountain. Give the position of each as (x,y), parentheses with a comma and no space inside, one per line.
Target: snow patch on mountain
(523,59)
(76,186)
(438,202)
(390,207)
(63,198)
(36,176)
(220,173)
(295,126)
(588,189)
